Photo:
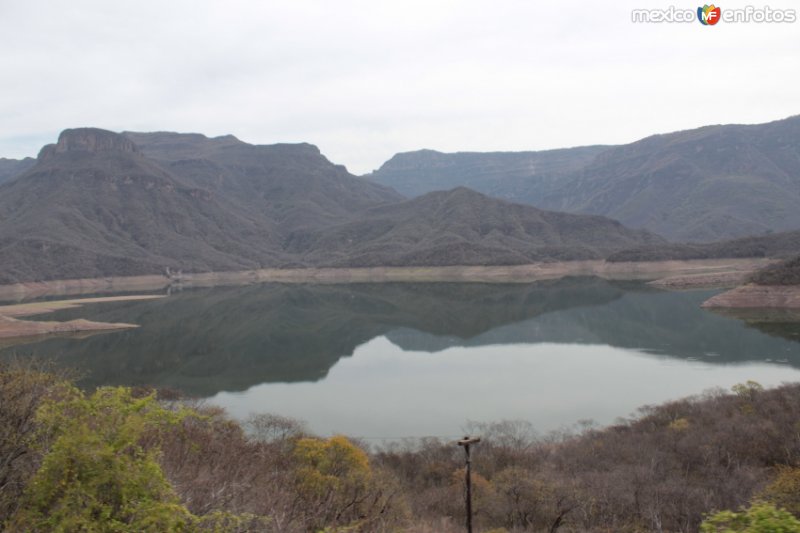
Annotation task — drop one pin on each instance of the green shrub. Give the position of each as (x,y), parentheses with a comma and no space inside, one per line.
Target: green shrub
(758,518)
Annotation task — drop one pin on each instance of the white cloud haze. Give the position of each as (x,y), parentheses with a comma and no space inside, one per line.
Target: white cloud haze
(364,80)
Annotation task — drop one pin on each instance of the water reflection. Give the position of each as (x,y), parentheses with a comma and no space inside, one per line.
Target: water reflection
(780,323)
(230,339)
(384,392)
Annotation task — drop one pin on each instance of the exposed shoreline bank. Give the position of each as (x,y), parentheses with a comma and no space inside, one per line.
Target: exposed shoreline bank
(682,274)
(13,328)
(757,297)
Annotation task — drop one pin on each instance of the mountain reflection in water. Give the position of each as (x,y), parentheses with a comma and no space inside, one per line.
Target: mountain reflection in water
(230,339)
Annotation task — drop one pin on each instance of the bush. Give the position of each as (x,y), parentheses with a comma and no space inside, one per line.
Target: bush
(96,475)
(758,518)
(23,386)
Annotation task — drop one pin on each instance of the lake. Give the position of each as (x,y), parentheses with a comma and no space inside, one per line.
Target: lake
(386,361)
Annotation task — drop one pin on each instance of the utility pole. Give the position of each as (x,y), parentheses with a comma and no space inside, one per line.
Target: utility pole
(465,442)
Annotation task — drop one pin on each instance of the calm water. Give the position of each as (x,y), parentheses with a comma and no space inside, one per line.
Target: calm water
(394,360)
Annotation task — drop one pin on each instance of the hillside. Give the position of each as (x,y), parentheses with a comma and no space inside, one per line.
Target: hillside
(784,273)
(94,205)
(97,204)
(464,227)
(700,185)
(706,184)
(294,185)
(773,245)
(11,168)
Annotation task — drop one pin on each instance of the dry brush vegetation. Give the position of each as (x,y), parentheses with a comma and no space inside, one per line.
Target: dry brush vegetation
(119,459)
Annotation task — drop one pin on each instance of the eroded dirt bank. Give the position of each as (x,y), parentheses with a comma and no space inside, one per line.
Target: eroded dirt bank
(757,297)
(674,274)
(12,327)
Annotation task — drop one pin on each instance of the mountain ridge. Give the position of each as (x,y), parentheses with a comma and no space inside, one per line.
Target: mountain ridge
(704,184)
(96,203)
(92,208)
(492,173)
(11,168)
(465,227)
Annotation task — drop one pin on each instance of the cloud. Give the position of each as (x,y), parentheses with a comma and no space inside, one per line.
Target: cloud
(364,80)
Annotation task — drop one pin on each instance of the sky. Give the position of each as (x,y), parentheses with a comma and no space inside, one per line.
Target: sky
(364,80)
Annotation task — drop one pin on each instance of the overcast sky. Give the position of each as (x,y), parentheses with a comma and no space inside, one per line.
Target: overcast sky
(366,79)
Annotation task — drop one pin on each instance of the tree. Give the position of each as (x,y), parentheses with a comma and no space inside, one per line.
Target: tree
(23,385)
(784,492)
(96,475)
(337,487)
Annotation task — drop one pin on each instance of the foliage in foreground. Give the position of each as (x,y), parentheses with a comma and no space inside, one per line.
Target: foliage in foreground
(122,460)
(21,389)
(97,473)
(758,518)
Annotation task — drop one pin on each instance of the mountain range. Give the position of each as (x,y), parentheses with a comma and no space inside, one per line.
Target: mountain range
(701,185)
(98,203)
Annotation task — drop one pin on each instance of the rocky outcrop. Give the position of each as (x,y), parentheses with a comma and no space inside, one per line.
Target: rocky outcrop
(757,297)
(91,140)
(502,174)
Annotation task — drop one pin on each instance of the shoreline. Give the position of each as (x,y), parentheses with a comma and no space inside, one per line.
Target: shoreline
(11,327)
(39,308)
(673,274)
(665,275)
(757,297)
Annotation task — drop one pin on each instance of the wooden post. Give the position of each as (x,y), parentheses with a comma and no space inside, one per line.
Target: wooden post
(465,442)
